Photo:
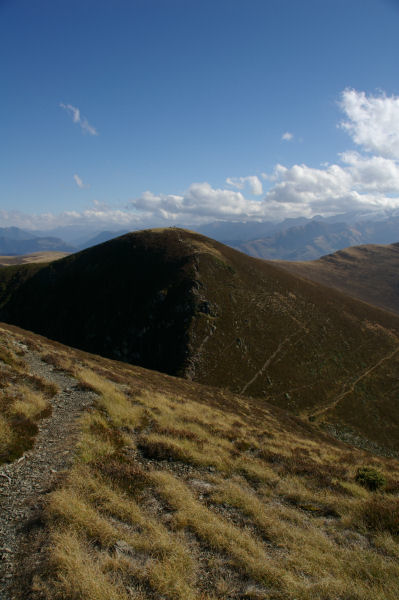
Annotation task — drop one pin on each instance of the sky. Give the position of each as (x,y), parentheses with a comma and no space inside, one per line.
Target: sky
(136,113)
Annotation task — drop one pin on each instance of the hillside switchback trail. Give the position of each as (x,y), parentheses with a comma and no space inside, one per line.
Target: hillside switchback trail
(25,482)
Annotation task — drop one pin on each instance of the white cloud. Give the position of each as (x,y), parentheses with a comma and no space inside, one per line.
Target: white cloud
(86,127)
(254,183)
(79,182)
(372,121)
(287,136)
(372,173)
(74,112)
(199,203)
(302,190)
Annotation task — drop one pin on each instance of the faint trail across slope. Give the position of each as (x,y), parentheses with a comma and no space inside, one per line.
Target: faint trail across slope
(281,345)
(24,483)
(352,386)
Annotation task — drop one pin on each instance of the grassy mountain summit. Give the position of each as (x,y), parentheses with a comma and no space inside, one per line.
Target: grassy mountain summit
(180,303)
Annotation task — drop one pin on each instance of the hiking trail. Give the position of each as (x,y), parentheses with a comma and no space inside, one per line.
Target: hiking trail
(25,482)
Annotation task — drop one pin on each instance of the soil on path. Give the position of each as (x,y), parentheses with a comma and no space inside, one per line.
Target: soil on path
(25,483)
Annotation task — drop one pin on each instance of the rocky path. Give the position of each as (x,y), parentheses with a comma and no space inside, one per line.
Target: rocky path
(24,483)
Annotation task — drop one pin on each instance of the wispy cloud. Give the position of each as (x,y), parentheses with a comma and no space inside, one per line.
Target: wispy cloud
(74,113)
(287,136)
(79,182)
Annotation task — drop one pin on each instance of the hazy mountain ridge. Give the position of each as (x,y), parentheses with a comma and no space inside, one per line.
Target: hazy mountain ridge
(291,239)
(317,238)
(15,241)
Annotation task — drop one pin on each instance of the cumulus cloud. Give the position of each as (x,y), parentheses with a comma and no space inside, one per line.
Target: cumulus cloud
(372,173)
(79,182)
(74,113)
(199,203)
(253,182)
(305,191)
(372,121)
(287,136)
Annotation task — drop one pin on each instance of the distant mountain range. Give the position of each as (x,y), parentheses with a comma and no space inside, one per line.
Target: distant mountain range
(15,241)
(316,238)
(292,239)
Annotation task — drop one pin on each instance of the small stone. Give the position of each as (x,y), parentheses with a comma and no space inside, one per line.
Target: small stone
(122,547)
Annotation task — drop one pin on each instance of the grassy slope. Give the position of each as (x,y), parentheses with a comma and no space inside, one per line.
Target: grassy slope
(34,257)
(180,303)
(182,491)
(298,345)
(368,272)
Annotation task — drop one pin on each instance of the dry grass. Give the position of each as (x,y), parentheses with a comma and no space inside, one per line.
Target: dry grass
(185,495)
(174,499)
(23,399)
(59,360)
(31,404)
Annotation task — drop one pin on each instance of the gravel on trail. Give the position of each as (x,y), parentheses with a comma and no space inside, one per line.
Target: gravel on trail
(25,482)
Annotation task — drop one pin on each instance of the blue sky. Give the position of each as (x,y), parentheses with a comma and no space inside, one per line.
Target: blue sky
(143,112)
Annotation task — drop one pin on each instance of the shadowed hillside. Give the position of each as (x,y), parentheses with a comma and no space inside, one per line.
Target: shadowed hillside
(177,302)
(140,485)
(369,272)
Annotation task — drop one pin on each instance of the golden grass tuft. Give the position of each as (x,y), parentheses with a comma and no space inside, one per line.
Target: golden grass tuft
(79,571)
(31,405)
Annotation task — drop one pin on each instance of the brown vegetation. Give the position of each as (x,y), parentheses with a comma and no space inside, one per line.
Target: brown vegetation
(184,492)
(367,272)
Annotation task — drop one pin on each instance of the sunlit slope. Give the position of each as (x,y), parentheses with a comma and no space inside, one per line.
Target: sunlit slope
(369,272)
(181,303)
(34,257)
(182,491)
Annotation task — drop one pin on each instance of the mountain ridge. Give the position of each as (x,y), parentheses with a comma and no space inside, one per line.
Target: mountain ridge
(367,272)
(180,303)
